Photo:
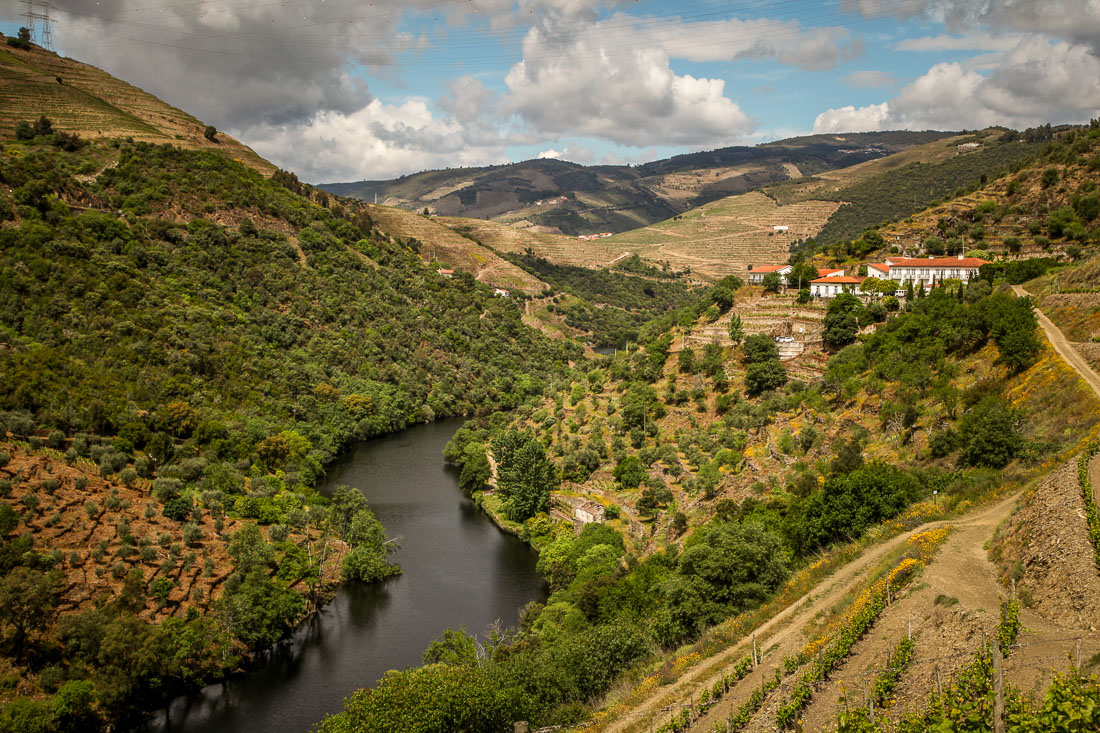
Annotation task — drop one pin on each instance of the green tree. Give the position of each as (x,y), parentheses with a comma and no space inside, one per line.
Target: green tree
(736,329)
(476,470)
(28,599)
(210,133)
(759,348)
(630,472)
(525,475)
(989,435)
(763,376)
(771,282)
(842,320)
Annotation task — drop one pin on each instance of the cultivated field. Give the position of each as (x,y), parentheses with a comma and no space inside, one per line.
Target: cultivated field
(90,102)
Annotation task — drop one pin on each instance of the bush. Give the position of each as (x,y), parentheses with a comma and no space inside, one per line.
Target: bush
(178,509)
(988,434)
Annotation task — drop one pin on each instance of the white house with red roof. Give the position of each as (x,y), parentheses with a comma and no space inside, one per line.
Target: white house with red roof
(881,271)
(826,272)
(757,273)
(832,286)
(932,269)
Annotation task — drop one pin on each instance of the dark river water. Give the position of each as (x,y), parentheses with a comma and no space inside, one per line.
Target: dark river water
(459,570)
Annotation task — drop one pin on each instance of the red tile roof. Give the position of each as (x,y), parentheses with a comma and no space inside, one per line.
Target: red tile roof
(823,271)
(846,280)
(939,262)
(882,267)
(769,268)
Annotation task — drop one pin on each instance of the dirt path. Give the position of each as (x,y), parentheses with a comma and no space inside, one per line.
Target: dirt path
(960,568)
(784,630)
(1063,347)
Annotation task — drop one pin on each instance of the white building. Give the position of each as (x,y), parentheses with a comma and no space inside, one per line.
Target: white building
(757,273)
(830,287)
(781,228)
(882,272)
(933,269)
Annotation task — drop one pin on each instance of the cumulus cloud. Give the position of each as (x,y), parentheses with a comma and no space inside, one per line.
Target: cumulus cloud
(574,83)
(852,119)
(1076,21)
(377,141)
(1037,81)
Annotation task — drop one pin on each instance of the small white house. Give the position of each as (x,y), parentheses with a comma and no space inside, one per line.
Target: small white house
(826,272)
(500,292)
(830,287)
(781,228)
(757,273)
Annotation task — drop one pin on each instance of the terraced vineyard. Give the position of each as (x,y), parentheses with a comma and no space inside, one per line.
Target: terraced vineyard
(441,243)
(90,102)
(725,237)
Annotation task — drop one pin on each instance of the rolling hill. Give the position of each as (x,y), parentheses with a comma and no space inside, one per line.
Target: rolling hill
(82,99)
(568,198)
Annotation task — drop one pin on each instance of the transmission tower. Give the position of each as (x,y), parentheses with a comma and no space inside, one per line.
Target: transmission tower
(39,10)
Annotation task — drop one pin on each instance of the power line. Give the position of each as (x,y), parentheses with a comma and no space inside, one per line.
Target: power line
(39,10)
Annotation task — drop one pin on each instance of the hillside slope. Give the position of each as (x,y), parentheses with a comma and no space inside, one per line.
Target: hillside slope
(569,198)
(80,98)
(185,345)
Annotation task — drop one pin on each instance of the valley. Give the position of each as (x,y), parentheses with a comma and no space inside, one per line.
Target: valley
(273,455)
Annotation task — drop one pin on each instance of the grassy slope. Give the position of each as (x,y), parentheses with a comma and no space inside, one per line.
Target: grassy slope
(438,242)
(94,104)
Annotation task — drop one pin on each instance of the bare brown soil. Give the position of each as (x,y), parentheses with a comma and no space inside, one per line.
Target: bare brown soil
(85,527)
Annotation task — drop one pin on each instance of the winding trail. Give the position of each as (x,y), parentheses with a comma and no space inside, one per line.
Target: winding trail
(1063,346)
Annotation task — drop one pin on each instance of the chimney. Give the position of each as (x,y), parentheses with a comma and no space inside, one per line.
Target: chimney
(960,257)
(931,257)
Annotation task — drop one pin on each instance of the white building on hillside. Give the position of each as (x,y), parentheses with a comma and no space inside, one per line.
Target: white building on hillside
(757,273)
(932,270)
(830,287)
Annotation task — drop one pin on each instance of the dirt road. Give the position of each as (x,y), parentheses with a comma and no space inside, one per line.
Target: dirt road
(1064,347)
(784,630)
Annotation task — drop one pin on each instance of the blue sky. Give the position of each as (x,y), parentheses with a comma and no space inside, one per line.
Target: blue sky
(347,90)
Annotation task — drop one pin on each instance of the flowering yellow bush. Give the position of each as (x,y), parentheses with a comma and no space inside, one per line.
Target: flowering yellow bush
(686,661)
(928,542)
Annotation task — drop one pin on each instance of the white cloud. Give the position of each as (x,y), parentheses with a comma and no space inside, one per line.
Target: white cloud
(853,119)
(577,82)
(377,141)
(972,41)
(1036,82)
(550,154)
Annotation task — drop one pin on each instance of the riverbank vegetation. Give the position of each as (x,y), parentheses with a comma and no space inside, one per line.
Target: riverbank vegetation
(186,345)
(701,520)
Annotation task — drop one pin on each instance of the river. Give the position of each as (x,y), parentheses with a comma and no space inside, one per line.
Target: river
(458,569)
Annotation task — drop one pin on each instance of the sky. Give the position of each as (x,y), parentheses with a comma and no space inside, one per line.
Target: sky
(345,90)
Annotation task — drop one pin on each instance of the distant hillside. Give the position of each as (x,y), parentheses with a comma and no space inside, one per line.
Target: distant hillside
(90,102)
(891,188)
(558,196)
(1047,204)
